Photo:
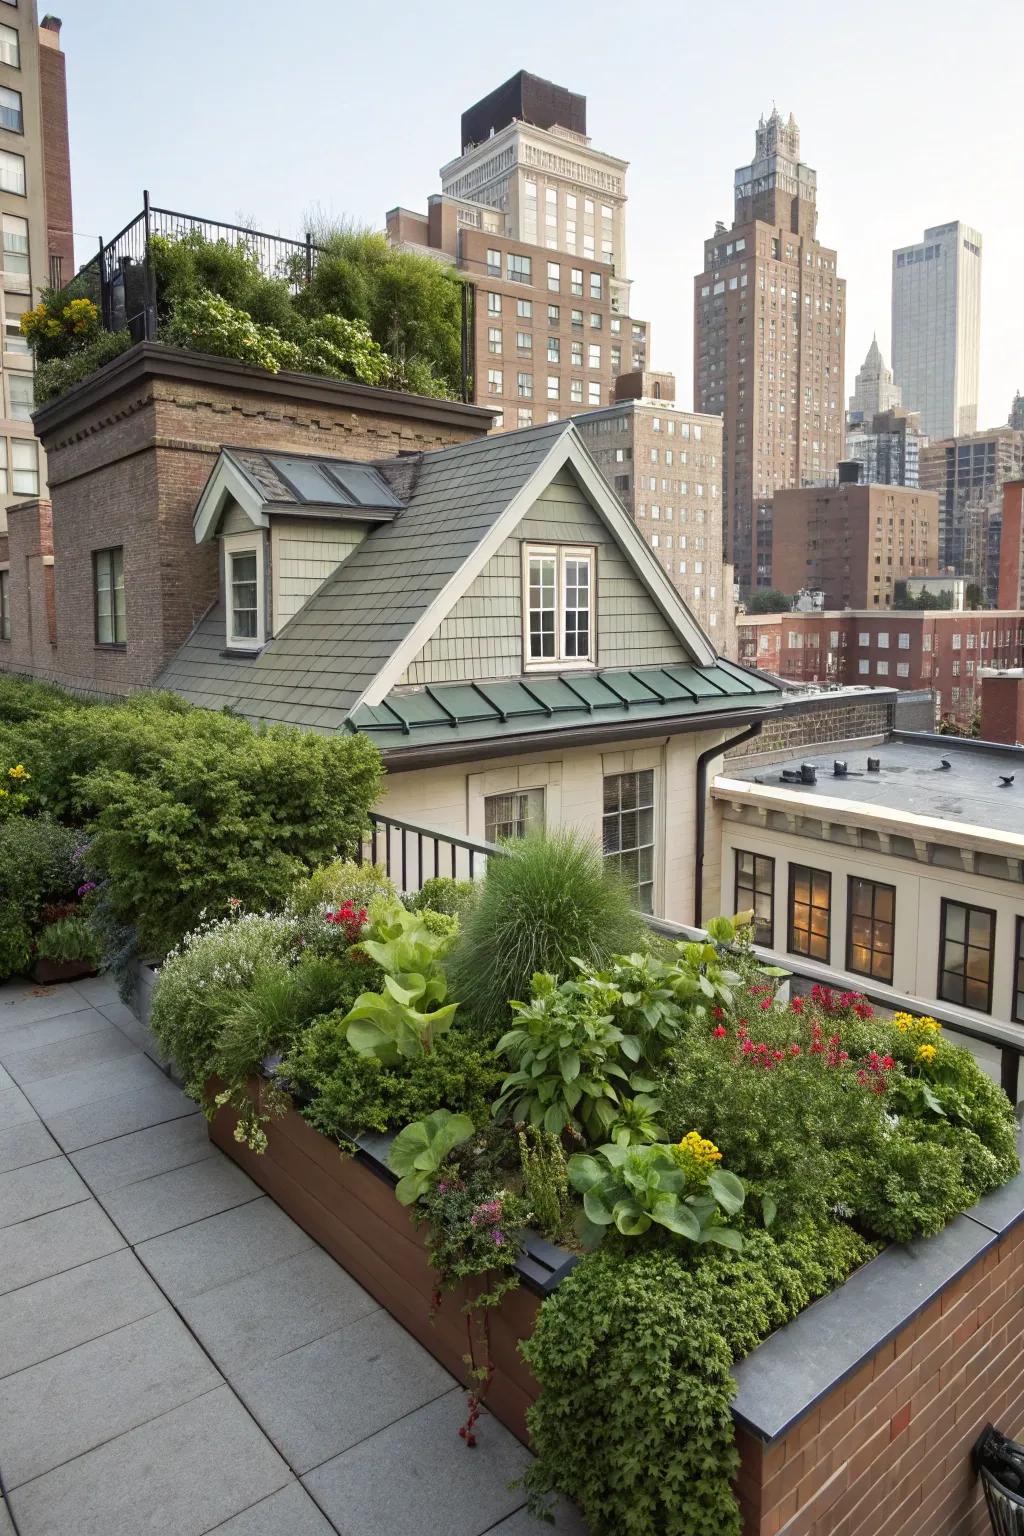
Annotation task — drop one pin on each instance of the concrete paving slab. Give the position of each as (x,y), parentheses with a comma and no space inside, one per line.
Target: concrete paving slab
(288,1513)
(6,1523)
(329,1395)
(567,1522)
(41,1187)
(141,1154)
(28,1003)
(6,1080)
(67,1405)
(432,1481)
(41,1320)
(32,1063)
(15,1109)
(185,1473)
(277,1308)
(23,1144)
(178,1198)
(60,1240)
(212,1252)
(98,989)
(119,1115)
(53,1096)
(34,1034)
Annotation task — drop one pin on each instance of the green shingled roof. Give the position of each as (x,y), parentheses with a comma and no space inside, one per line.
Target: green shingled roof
(449,713)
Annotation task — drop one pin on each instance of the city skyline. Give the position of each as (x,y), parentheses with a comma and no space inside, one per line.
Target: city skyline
(353,146)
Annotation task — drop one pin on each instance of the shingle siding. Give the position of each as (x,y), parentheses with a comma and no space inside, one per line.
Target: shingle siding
(482,637)
(303,555)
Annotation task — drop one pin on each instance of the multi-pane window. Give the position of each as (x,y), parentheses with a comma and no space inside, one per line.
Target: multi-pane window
(493,263)
(755,892)
(810,899)
(494,303)
(870,928)
(108,596)
(10,47)
(10,110)
(595,285)
(553,314)
(628,832)
(552,386)
(1018,974)
(15,238)
(524,341)
(559,604)
(519,269)
(554,349)
(554,279)
(5,605)
(24,466)
(21,390)
(494,381)
(524,385)
(494,338)
(966,952)
(524,309)
(12,173)
(576,281)
(243,594)
(513,815)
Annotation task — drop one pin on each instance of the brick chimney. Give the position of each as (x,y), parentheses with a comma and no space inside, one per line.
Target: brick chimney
(52,24)
(1002,706)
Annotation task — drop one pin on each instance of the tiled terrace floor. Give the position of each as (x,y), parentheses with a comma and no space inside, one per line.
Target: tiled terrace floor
(176,1356)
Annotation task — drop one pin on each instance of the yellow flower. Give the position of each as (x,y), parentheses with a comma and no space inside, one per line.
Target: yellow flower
(926,1053)
(19,771)
(700,1148)
(908,1024)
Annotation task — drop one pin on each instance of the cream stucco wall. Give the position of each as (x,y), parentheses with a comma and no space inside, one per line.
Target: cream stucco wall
(450,800)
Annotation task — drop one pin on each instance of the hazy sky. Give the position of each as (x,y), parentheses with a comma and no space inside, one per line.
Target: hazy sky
(243,109)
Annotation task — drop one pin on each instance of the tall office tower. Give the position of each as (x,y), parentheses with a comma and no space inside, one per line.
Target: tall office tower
(534,217)
(769,334)
(936,328)
(873,389)
(35,213)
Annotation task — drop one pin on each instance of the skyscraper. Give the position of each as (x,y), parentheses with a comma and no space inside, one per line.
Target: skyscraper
(35,211)
(873,389)
(936,328)
(769,334)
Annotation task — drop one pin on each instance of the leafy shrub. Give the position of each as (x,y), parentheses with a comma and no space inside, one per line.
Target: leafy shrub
(633,1187)
(633,1354)
(69,939)
(15,945)
(40,862)
(344,1093)
(548,901)
(332,885)
(545,1180)
(443,894)
(58,374)
(22,698)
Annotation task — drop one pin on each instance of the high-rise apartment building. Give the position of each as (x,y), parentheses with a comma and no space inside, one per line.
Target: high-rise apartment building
(873,389)
(852,542)
(35,213)
(665,465)
(769,337)
(888,447)
(534,217)
(936,328)
(1010,593)
(968,473)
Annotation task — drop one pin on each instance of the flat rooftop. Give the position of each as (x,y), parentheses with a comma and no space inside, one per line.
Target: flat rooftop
(911,778)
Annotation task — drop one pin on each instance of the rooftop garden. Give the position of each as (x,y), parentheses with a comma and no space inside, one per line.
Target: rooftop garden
(716,1150)
(367,312)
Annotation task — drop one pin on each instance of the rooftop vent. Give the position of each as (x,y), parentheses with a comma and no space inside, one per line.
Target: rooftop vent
(838,770)
(874,765)
(808,773)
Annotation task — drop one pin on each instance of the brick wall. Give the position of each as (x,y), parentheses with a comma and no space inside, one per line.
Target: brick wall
(815,722)
(56,150)
(890,1449)
(28,549)
(129,452)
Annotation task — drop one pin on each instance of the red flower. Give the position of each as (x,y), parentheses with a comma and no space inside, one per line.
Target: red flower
(747,1047)
(777,1055)
(718,1012)
(719,1031)
(741,1028)
(794,1049)
(888,1062)
(863,1010)
(834,1040)
(844,1055)
(797,1004)
(767,1003)
(817,1048)
(878,1086)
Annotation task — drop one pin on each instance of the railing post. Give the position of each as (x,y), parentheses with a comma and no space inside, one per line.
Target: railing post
(309,256)
(150,310)
(104,295)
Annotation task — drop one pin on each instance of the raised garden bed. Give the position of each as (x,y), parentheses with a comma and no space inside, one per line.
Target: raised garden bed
(858,1416)
(48,972)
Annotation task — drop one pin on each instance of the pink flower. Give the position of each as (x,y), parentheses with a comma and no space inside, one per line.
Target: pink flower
(719,1031)
(766,1004)
(748,1046)
(794,1050)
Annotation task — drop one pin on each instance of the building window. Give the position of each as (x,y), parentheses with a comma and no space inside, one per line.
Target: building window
(15,233)
(870,927)
(966,951)
(494,338)
(560,601)
(628,832)
(22,396)
(594,355)
(524,341)
(15,305)
(524,385)
(596,320)
(108,596)
(12,173)
(25,467)
(755,892)
(576,391)
(576,282)
(524,309)
(552,386)
(1018,974)
(493,263)
(597,287)
(554,279)
(494,381)
(10,110)
(554,314)
(244,597)
(810,901)
(554,349)
(519,269)
(514,815)
(524,417)
(10,47)
(5,605)
(494,303)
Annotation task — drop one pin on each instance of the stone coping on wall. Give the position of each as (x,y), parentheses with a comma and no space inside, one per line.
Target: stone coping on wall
(786,1376)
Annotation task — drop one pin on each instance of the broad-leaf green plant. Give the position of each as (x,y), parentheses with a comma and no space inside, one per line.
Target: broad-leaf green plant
(419,1150)
(406,1017)
(635,1187)
(636,1122)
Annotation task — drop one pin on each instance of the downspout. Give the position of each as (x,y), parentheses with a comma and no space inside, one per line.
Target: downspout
(702,791)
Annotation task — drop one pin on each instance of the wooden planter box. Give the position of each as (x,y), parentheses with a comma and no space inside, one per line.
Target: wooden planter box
(47,972)
(856,1419)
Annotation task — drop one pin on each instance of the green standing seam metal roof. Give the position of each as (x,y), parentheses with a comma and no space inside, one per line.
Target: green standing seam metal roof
(445,713)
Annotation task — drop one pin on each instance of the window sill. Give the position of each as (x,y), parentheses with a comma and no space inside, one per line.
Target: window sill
(110,645)
(241,652)
(532,668)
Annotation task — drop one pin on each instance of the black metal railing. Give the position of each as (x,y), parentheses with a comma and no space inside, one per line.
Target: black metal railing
(412,854)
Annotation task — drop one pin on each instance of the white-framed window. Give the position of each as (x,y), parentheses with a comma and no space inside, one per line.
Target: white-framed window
(904,641)
(524,341)
(958,641)
(5,603)
(594,355)
(559,607)
(494,338)
(493,263)
(22,397)
(10,47)
(594,393)
(883,640)
(12,173)
(576,391)
(524,309)
(15,238)
(15,305)
(108,596)
(494,381)
(554,278)
(554,349)
(494,303)
(24,466)
(552,386)
(903,669)
(576,281)
(524,385)
(883,669)
(863,638)
(513,815)
(627,831)
(524,417)
(11,116)
(244,591)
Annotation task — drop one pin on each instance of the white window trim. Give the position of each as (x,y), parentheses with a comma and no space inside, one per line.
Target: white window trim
(246,544)
(559,662)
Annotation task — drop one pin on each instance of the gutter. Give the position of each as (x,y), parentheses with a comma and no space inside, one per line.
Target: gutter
(701,817)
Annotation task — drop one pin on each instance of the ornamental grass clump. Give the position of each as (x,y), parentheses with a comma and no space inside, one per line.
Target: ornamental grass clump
(548,901)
